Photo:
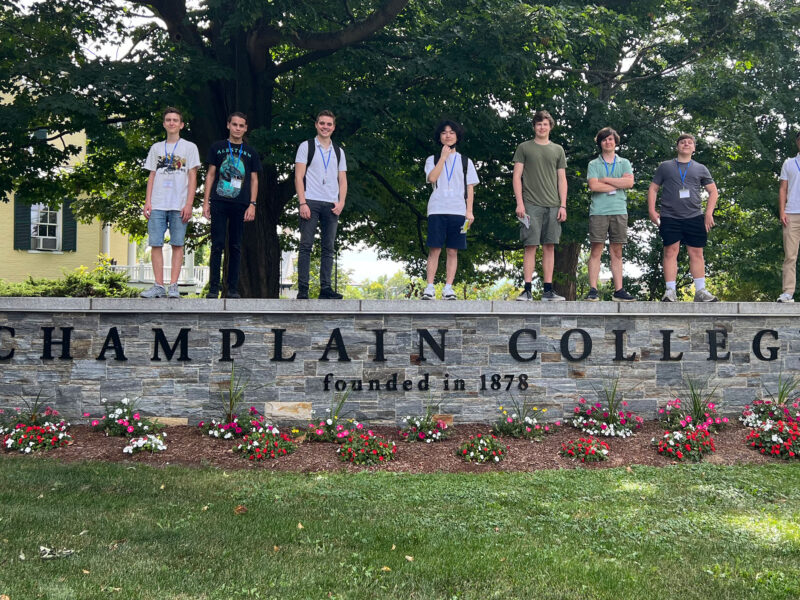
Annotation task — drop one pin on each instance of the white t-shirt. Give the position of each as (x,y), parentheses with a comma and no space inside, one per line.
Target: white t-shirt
(321,184)
(791,172)
(448,192)
(171,163)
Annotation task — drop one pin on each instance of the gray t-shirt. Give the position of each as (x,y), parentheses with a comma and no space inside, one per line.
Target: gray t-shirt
(695,177)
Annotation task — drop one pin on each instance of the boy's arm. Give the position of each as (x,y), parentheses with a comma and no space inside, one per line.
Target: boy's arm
(300,188)
(652,194)
(186,211)
(148,196)
(516,183)
(783,194)
(250,213)
(212,171)
(470,197)
(339,206)
(562,195)
(711,204)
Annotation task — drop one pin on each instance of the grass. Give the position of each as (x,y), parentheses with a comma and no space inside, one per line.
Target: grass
(686,532)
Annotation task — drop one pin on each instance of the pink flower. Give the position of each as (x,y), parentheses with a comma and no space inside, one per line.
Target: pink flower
(582,400)
(95,423)
(130,428)
(359,426)
(547,428)
(509,420)
(135,416)
(724,419)
(603,426)
(661,411)
(624,403)
(683,423)
(718,421)
(577,410)
(319,432)
(84,414)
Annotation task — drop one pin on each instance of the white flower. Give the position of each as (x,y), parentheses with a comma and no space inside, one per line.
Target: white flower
(329,422)
(125,401)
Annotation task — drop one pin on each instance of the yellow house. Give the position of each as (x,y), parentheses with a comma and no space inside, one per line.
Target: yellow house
(40,241)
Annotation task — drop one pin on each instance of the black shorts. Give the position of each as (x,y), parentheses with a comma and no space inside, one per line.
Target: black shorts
(692,232)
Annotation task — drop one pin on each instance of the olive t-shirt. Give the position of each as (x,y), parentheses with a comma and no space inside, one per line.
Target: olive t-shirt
(540,172)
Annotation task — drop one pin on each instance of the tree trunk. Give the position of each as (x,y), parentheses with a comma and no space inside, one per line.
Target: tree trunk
(566,267)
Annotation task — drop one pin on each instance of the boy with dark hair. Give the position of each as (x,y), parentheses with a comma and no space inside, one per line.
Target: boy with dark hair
(540,189)
(453,178)
(789,213)
(320,178)
(608,176)
(230,194)
(681,218)
(168,201)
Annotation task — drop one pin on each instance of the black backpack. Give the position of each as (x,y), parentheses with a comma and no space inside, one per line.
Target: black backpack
(311,148)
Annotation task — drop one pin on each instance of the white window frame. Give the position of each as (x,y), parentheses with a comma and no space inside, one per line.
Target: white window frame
(43,243)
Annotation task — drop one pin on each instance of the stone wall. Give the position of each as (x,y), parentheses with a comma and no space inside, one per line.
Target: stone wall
(175,354)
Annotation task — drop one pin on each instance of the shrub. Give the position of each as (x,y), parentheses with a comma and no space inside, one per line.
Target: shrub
(482,449)
(776,438)
(762,411)
(596,419)
(332,428)
(237,427)
(266,444)
(100,282)
(685,445)
(365,448)
(585,449)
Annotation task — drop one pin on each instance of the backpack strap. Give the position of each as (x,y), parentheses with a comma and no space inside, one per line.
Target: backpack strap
(465,164)
(311,147)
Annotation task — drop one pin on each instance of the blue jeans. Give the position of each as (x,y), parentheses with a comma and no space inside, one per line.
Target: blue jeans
(226,217)
(322,213)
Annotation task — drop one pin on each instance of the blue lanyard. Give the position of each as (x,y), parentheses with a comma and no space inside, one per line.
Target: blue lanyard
(325,163)
(683,174)
(797,164)
(452,169)
(166,152)
(230,152)
(605,164)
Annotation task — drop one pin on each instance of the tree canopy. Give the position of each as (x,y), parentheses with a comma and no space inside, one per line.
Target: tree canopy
(390,69)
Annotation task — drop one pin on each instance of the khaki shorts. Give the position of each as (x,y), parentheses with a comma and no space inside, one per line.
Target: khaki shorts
(544,229)
(615,227)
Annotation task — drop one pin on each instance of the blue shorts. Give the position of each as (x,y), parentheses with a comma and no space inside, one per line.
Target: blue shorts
(445,230)
(159,222)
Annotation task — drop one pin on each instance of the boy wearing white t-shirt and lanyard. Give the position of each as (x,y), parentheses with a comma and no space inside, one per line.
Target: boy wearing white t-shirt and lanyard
(449,207)
(168,201)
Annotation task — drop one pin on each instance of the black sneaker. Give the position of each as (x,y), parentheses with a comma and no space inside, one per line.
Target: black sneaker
(329,294)
(302,295)
(552,296)
(212,294)
(592,296)
(234,295)
(622,296)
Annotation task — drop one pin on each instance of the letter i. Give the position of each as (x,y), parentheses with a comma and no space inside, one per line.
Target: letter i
(446,382)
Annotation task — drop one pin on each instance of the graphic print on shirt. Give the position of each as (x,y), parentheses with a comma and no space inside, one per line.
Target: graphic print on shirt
(171,163)
(231,174)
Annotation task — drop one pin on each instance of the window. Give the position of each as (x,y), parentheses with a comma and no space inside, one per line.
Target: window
(45,227)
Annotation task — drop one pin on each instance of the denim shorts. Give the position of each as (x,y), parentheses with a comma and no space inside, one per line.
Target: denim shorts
(159,222)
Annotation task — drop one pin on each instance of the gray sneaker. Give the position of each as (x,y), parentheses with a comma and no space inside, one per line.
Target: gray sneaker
(785,298)
(173,291)
(670,296)
(157,291)
(551,296)
(704,296)
(525,296)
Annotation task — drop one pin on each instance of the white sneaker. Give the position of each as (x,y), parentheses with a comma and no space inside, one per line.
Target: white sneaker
(429,293)
(704,296)
(173,291)
(785,298)
(157,291)
(670,296)
(449,294)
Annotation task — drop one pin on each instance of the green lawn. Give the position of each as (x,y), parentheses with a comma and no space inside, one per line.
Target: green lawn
(684,532)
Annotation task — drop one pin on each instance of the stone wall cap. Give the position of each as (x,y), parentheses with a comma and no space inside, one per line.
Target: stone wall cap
(157,305)
(40,304)
(426,306)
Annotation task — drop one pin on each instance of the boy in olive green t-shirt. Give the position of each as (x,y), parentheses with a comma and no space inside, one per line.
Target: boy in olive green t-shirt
(540,189)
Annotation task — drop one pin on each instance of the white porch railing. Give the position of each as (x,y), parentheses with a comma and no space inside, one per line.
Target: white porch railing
(143,273)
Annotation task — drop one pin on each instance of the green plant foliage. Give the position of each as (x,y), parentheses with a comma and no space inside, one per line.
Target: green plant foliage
(99,282)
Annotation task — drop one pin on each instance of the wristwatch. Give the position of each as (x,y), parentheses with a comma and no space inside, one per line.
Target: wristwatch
(252,204)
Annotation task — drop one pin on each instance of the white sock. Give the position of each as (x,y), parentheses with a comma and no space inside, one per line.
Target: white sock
(448,286)
(671,286)
(430,288)
(699,284)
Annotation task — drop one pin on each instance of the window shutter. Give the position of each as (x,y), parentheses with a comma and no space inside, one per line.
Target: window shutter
(22,225)
(69,231)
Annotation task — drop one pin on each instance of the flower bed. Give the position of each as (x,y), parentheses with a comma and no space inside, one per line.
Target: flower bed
(31,438)
(596,419)
(365,448)
(268,443)
(522,423)
(122,419)
(483,449)
(152,443)
(776,438)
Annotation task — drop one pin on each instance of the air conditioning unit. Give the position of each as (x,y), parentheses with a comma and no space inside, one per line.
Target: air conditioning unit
(41,243)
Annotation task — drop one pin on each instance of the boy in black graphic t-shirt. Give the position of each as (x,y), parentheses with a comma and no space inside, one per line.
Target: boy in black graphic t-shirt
(231,190)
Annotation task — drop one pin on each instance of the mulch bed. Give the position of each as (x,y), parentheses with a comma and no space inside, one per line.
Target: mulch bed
(187,446)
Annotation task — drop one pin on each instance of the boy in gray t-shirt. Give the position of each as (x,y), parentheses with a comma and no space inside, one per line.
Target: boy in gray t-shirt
(681,218)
